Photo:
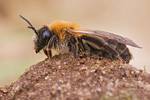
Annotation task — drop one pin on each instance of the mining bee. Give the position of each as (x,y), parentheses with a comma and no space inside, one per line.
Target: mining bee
(63,37)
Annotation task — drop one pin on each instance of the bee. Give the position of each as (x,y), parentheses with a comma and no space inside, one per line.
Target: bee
(62,37)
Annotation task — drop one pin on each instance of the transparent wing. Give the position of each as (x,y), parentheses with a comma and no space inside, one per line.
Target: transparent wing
(105,35)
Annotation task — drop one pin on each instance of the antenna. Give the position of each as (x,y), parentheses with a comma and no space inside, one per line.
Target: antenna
(31,27)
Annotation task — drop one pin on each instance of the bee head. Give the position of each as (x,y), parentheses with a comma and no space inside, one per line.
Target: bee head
(41,40)
(41,36)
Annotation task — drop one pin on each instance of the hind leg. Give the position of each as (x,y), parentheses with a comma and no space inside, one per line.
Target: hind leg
(100,43)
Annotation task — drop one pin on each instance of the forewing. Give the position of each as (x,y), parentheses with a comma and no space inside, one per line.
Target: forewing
(106,35)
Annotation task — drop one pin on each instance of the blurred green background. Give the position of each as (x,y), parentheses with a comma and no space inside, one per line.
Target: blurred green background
(130,18)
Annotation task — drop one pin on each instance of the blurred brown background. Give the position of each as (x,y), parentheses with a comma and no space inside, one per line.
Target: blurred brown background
(130,18)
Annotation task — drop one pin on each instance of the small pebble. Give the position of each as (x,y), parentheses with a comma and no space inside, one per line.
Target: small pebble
(46,77)
(137,71)
(59,67)
(26,69)
(78,64)
(111,66)
(99,89)
(92,70)
(58,63)
(65,63)
(104,72)
(132,72)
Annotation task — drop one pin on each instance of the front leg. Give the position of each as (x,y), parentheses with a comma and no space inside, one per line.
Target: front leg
(51,41)
(48,51)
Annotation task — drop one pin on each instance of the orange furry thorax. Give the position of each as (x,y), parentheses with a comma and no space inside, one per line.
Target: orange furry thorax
(58,27)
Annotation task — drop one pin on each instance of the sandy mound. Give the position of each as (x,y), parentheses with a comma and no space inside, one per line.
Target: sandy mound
(65,78)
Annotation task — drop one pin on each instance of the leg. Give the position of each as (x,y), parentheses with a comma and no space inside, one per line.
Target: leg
(124,52)
(47,53)
(47,50)
(74,46)
(51,41)
(113,52)
(81,43)
(100,43)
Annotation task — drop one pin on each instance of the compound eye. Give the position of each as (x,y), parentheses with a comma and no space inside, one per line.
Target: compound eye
(46,34)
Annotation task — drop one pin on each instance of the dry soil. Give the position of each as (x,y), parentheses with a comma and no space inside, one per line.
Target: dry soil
(86,78)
